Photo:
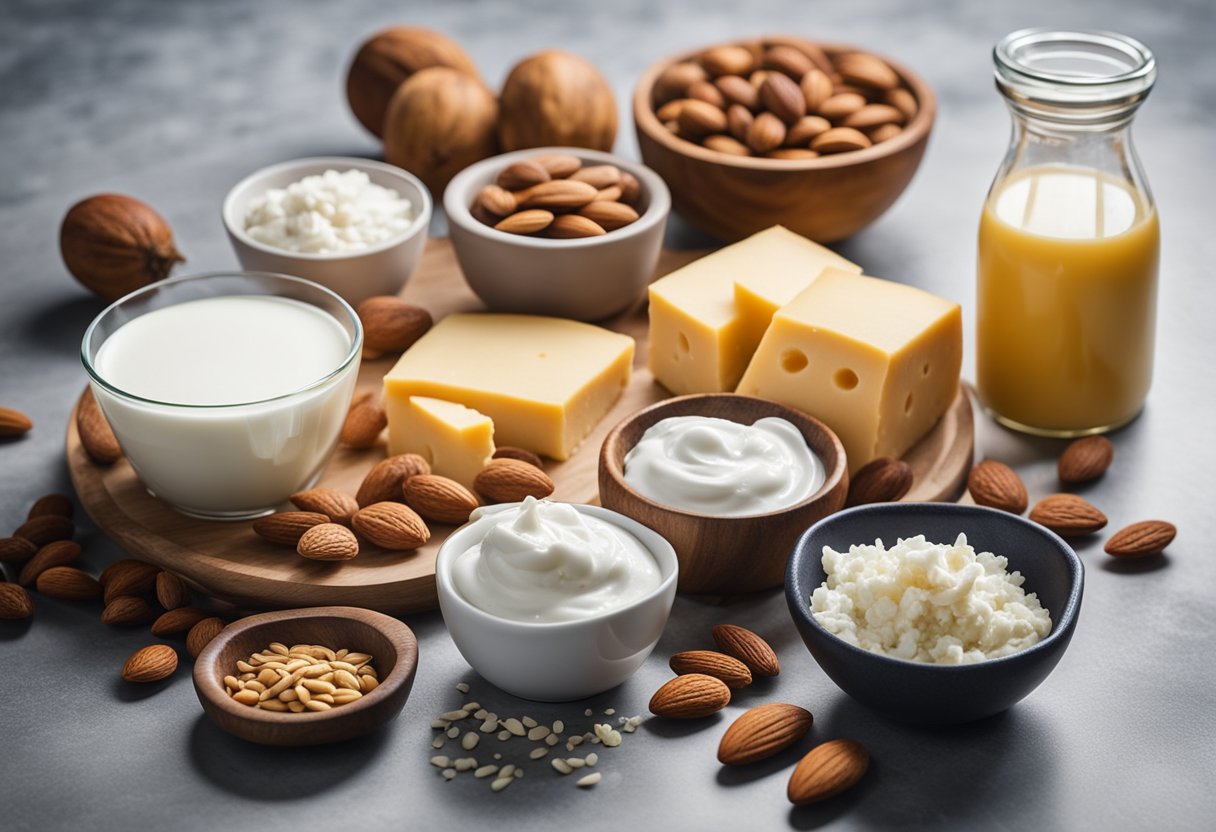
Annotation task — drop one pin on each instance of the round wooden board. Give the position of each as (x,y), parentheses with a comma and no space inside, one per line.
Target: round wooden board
(228,561)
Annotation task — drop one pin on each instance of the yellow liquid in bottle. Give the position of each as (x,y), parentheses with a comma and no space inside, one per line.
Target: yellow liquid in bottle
(1067,296)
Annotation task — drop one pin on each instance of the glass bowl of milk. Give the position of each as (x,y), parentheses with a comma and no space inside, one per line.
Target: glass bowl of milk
(228,390)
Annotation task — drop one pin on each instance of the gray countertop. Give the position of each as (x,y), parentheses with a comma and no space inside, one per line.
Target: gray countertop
(173,102)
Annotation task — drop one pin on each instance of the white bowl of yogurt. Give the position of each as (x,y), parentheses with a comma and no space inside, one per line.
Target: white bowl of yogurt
(227,391)
(555,601)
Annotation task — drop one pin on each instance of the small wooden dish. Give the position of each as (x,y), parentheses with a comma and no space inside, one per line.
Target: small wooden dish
(725,555)
(391,644)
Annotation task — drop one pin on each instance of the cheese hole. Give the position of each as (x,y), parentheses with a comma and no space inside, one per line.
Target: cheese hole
(683,343)
(908,404)
(845,379)
(794,361)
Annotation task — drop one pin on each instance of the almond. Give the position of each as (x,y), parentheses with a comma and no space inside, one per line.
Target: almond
(15,602)
(16,549)
(609,194)
(171,593)
(671,110)
(691,696)
(712,663)
(762,732)
(14,423)
(520,175)
(610,215)
(126,565)
(511,480)
(127,611)
(840,140)
(783,98)
(884,133)
(727,144)
(739,121)
(1140,540)
(996,485)
(328,541)
(439,498)
(882,480)
(631,188)
(390,324)
(526,222)
(150,664)
(1085,459)
(56,504)
(559,165)
(865,70)
(337,505)
(573,227)
(1068,515)
(56,553)
(737,90)
(827,770)
(767,132)
(287,527)
(201,634)
(559,194)
(177,621)
(791,154)
(709,93)
(365,421)
(96,436)
(523,455)
(383,483)
(391,526)
(498,201)
(841,105)
(598,176)
(728,60)
(699,118)
(816,88)
(805,129)
(903,101)
(787,59)
(128,577)
(873,115)
(46,529)
(68,583)
(676,79)
(748,648)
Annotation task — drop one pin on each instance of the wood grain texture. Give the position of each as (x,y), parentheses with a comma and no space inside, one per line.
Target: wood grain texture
(826,199)
(228,561)
(392,645)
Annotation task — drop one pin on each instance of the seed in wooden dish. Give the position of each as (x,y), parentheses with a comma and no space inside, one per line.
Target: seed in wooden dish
(300,684)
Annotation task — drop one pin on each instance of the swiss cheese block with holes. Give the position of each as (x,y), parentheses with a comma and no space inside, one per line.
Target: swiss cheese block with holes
(707,318)
(877,361)
(456,440)
(545,382)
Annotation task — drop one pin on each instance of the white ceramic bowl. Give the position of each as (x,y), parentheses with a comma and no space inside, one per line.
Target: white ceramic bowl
(562,661)
(381,269)
(588,279)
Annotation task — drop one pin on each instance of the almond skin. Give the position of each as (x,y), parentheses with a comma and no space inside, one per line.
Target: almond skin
(171,593)
(364,423)
(783,97)
(68,584)
(328,541)
(511,480)
(57,553)
(439,498)
(201,634)
(1085,459)
(127,611)
(150,664)
(762,732)
(1068,515)
(827,770)
(46,529)
(14,422)
(691,696)
(337,505)
(712,663)
(57,504)
(1141,540)
(996,485)
(509,452)
(748,648)
(391,526)
(384,482)
(177,621)
(883,480)
(128,577)
(392,325)
(15,602)
(16,549)
(287,527)
(96,436)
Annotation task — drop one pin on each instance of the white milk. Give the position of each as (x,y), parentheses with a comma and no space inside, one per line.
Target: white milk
(230,427)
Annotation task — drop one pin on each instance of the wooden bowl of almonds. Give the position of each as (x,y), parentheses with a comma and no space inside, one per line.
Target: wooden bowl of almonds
(821,138)
(307,676)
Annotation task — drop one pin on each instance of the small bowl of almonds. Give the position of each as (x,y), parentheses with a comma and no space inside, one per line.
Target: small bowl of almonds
(819,138)
(561,231)
(307,676)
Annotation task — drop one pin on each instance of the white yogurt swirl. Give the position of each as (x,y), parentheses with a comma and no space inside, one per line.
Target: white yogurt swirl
(719,467)
(547,562)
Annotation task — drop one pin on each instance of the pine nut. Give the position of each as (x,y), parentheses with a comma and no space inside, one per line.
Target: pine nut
(315,705)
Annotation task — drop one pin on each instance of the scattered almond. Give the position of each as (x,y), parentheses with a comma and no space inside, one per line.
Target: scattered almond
(15,602)
(287,527)
(328,541)
(392,325)
(128,577)
(177,621)
(883,480)
(508,452)
(171,593)
(57,504)
(439,498)
(996,485)
(96,436)
(46,529)
(201,634)
(748,648)
(712,663)
(56,553)
(337,505)
(391,526)
(127,611)
(68,583)
(762,732)
(1141,540)
(511,480)
(1085,459)
(1068,515)
(16,549)
(691,696)
(14,422)
(384,482)
(150,664)
(827,770)
(365,421)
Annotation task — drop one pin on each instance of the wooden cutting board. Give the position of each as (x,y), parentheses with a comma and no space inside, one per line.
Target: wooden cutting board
(228,561)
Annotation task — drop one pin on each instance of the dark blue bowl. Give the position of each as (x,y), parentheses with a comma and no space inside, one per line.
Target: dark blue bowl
(928,693)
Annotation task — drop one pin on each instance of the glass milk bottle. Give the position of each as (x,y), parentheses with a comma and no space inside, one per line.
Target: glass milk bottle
(1068,239)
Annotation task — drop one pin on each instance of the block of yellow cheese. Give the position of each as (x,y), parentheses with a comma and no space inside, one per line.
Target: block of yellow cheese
(456,440)
(545,382)
(707,318)
(877,361)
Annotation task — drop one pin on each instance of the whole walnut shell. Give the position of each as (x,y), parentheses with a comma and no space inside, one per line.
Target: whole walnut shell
(555,98)
(388,58)
(115,244)
(439,122)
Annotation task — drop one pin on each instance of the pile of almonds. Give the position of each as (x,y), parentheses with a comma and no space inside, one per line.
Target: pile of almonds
(703,687)
(783,100)
(557,196)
